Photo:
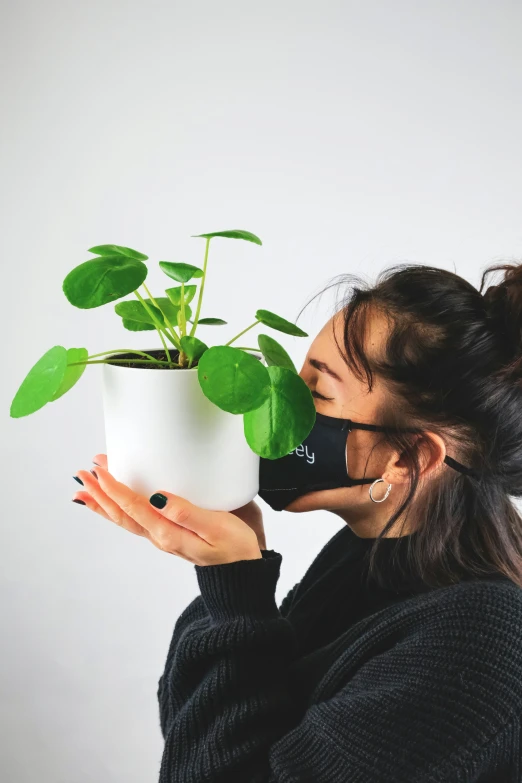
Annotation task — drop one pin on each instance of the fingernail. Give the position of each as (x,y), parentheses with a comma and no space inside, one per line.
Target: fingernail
(78,480)
(96,463)
(77,500)
(158,500)
(94,474)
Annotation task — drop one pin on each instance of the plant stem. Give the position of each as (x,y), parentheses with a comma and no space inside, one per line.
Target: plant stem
(243,332)
(182,355)
(183,328)
(159,327)
(173,331)
(182,325)
(202,286)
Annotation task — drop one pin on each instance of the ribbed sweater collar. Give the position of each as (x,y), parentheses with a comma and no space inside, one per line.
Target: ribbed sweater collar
(393,561)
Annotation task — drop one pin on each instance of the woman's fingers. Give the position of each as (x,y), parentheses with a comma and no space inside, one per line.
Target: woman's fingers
(88,501)
(112,510)
(170,528)
(100,459)
(201,536)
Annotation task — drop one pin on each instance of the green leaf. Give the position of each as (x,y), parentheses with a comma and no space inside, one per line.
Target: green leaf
(281,324)
(174,294)
(274,353)
(284,420)
(211,321)
(72,374)
(171,310)
(235,234)
(41,382)
(137,326)
(193,347)
(180,272)
(118,250)
(102,280)
(233,380)
(135,311)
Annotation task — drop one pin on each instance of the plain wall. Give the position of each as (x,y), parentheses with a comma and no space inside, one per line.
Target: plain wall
(347,135)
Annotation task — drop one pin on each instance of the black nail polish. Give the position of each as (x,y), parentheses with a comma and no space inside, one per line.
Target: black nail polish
(77,500)
(158,500)
(96,463)
(94,474)
(78,480)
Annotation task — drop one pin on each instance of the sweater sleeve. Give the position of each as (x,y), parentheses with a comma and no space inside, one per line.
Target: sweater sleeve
(422,709)
(193,612)
(227,691)
(189,618)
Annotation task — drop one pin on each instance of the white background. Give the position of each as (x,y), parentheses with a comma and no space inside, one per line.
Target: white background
(347,135)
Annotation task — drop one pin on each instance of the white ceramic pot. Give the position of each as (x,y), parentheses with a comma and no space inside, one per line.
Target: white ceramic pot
(163,433)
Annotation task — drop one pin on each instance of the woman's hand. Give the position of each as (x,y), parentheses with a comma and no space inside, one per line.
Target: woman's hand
(201,536)
(253,516)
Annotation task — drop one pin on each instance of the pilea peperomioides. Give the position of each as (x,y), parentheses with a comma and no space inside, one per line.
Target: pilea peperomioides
(276,404)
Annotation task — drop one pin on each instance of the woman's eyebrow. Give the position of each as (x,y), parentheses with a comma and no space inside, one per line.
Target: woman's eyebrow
(323,367)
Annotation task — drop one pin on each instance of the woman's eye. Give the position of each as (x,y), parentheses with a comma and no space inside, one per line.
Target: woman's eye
(320,396)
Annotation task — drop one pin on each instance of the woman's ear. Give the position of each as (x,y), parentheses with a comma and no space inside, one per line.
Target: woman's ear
(432,452)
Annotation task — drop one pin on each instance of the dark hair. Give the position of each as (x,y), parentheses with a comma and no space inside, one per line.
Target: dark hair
(453,366)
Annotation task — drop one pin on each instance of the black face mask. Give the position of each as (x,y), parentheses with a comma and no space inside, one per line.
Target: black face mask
(320,462)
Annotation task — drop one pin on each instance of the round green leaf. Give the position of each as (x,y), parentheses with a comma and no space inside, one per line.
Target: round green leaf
(180,272)
(193,347)
(174,294)
(137,326)
(234,234)
(211,321)
(233,380)
(284,420)
(118,250)
(72,374)
(40,383)
(135,311)
(274,353)
(281,324)
(102,280)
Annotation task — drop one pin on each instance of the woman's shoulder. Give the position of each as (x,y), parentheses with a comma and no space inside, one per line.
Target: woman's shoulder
(474,617)
(494,600)
(466,636)
(479,620)
(494,592)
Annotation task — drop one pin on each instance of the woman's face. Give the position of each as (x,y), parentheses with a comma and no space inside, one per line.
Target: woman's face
(327,375)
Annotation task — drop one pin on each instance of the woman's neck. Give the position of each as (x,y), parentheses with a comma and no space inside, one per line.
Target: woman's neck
(370,526)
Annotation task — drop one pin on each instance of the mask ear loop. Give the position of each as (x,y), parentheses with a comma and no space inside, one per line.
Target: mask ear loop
(461,468)
(452,463)
(349,425)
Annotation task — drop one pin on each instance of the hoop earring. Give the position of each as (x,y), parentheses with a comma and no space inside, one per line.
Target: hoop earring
(387,491)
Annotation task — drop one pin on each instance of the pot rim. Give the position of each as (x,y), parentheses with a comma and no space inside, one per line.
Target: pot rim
(148,350)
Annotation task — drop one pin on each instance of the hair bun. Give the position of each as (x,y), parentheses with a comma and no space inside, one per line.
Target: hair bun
(503,305)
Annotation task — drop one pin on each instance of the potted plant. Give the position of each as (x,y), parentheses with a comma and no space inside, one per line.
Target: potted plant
(191,418)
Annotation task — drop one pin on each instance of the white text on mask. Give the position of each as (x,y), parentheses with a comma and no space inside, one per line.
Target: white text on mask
(303,451)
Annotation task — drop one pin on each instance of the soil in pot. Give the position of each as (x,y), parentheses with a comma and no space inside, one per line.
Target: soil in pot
(157,353)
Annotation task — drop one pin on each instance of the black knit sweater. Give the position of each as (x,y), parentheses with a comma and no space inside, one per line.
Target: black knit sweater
(345,681)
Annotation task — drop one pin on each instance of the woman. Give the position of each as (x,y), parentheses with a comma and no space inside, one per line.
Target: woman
(398,657)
